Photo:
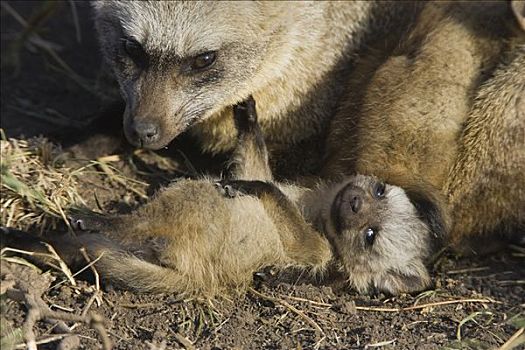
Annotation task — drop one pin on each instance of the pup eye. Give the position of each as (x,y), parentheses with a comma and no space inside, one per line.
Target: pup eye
(379,190)
(370,236)
(204,60)
(135,52)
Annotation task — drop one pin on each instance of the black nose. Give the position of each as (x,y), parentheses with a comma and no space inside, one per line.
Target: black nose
(146,132)
(347,207)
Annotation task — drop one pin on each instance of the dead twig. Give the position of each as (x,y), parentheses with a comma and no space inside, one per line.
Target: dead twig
(46,340)
(184,341)
(380,344)
(313,302)
(97,294)
(37,310)
(424,306)
(467,270)
(97,323)
(291,308)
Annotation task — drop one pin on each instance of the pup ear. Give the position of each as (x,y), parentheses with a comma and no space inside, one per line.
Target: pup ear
(414,279)
(429,208)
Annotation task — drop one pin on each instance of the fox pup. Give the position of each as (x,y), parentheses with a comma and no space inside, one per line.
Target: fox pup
(192,238)
(203,237)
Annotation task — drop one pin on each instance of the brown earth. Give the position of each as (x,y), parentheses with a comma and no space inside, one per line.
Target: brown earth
(282,311)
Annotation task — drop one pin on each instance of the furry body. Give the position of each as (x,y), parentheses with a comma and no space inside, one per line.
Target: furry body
(421,113)
(201,238)
(410,118)
(440,112)
(192,238)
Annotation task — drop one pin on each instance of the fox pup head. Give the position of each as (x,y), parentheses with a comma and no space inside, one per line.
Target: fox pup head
(378,235)
(177,63)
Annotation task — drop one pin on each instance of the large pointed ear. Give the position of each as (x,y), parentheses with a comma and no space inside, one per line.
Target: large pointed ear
(429,208)
(518,7)
(414,278)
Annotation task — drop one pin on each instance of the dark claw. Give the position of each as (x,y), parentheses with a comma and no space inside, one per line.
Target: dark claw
(226,190)
(78,224)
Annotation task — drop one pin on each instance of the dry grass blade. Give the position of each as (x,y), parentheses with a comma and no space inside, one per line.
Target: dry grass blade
(63,267)
(470,318)
(74,14)
(20,261)
(35,185)
(380,344)
(468,270)
(515,340)
(90,264)
(424,306)
(184,341)
(113,175)
(53,256)
(518,251)
(81,270)
(139,306)
(313,302)
(293,309)
(191,169)
(97,295)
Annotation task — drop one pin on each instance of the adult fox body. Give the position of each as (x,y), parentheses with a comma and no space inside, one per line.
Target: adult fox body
(403,131)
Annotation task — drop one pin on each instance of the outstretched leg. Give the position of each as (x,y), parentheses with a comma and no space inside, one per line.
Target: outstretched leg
(250,157)
(116,264)
(166,215)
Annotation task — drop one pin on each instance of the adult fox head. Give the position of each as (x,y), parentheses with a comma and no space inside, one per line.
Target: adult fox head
(178,63)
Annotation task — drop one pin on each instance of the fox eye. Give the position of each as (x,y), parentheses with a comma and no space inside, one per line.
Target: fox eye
(135,52)
(379,190)
(204,60)
(370,236)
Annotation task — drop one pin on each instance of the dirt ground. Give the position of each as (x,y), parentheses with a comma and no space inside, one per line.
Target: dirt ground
(476,303)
